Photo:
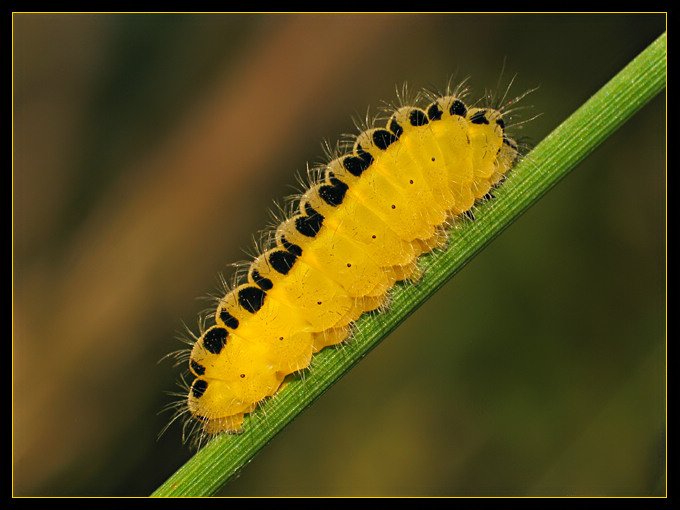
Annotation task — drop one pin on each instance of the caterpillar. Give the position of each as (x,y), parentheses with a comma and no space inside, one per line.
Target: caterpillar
(384,198)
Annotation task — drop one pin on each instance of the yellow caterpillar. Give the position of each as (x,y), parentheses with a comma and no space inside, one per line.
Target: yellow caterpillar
(357,230)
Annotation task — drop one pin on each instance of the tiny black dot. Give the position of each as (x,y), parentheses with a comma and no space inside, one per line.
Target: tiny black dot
(280,338)
(432,159)
(349,265)
(243,375)
(394,206)
(318,302)
(373,236)
(411,181)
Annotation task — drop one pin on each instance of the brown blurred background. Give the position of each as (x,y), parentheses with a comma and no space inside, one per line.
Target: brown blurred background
(147,152)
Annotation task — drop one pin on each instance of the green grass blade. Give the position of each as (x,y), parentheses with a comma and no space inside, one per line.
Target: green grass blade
(546,165)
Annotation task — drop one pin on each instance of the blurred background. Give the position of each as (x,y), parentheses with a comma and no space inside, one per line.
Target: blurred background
(147,152)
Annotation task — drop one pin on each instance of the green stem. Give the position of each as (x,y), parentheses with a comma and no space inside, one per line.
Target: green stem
(546,165)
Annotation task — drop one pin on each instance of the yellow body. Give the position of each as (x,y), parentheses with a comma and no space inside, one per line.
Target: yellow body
(357,232)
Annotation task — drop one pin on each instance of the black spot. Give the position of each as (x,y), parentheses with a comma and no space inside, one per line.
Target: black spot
(366,156)
(215,339)
(382,138)
(500,182)
(290,247)
(281,261)
(469,214)
(356,165)
(396,128)
(501,123)
(417,117)
(337,183)
(262,282)
(509,143)
(434,112)
(309,225)
(458,108)
(198,388)
(332,196)
(488,196)
(197,368)
(251,298)
(334,193)
(479,117)
(229,320)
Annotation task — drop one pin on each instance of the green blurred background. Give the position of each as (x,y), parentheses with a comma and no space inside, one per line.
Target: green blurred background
(147,152)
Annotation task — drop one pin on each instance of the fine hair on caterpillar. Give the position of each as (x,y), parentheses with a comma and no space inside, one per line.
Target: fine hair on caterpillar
(382,199)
